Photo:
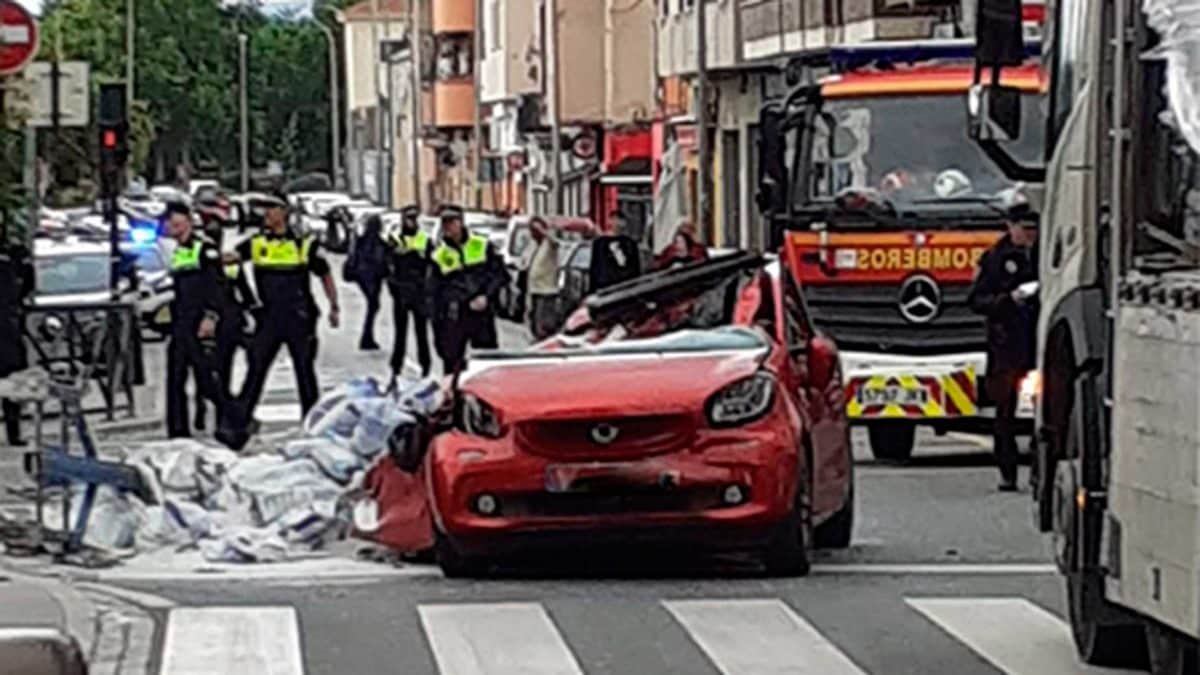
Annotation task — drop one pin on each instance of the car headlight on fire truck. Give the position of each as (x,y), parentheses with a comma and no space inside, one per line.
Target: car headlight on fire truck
(743,401)
(478,417)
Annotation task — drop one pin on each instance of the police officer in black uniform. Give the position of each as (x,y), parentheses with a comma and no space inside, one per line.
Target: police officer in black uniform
(195,312)
(466,279)
(282,262)
(16,283)
(1005,292)
(239,303)
(408,271)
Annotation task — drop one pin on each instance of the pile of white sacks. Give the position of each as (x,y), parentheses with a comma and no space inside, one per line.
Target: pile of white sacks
(281,504)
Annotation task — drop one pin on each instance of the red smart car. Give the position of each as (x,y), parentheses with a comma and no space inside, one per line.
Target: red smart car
(693,407)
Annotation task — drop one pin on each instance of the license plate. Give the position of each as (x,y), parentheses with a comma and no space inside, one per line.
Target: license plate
(893,395)
(562,478)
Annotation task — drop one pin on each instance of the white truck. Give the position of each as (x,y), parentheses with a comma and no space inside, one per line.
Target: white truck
(1118,415)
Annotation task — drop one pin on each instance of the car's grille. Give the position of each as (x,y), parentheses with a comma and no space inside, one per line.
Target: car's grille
(867,318)
(588,438)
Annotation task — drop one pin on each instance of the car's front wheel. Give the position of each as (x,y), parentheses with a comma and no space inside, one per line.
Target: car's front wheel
(787,554)
(835,532)
(454,563)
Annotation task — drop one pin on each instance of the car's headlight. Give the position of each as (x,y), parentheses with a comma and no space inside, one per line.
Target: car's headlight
(478,417)
(743,401)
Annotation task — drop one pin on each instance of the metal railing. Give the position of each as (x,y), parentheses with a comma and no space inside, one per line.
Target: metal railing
(100,340)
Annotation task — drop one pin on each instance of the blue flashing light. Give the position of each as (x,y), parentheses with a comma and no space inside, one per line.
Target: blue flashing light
(850,57)
(143,235)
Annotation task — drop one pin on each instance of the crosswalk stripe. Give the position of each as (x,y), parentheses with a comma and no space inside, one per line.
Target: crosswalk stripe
(496,639)
(748,637)
(1013,634)
(232,640)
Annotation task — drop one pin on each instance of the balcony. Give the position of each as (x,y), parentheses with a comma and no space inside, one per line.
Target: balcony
(454,16)
(454,103)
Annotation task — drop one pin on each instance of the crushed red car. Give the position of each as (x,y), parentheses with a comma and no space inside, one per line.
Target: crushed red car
(693,407)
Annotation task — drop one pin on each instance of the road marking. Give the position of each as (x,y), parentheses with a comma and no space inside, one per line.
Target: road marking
(934,569)
(232,640)
(496,639)
(191,566)
(1012,634)
(747,637)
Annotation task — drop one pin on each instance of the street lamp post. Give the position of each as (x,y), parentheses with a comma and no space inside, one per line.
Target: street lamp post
(130,51)
(244,113)
(335,162)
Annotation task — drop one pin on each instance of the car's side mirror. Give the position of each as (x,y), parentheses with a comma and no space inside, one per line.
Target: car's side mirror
(993,113)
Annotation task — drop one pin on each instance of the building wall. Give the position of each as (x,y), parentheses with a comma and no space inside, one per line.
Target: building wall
(630,76)
(581,63)
(509,33)
(361,53)
(677,38)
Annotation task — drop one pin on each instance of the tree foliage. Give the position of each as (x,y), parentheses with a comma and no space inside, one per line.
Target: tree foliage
(186,83)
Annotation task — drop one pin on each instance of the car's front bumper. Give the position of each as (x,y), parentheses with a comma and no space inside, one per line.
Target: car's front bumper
(673,499)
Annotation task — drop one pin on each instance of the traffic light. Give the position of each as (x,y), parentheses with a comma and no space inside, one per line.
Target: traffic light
(114,128)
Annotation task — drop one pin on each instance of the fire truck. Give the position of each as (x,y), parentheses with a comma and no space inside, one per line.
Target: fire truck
(1118,414)
(882,207)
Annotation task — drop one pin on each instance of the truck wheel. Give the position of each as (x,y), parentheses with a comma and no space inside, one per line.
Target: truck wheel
(1104,634)
(1170,652)
(892,441)
(454,564)
(835,532)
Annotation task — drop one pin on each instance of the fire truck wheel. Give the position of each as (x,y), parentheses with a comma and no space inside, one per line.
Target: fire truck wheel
(892,441)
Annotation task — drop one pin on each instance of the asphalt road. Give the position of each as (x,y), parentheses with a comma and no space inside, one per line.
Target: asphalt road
(945,575)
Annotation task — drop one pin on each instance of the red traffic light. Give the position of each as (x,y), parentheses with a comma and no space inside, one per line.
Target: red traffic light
(109,139)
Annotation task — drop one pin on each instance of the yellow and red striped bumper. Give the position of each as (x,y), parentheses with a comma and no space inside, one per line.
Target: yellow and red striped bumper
(887,396)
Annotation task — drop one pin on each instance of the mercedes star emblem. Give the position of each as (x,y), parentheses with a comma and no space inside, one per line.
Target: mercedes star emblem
(603,434)
(920,299)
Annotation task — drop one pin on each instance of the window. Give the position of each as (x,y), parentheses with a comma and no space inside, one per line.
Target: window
(454,57)
(1067,52)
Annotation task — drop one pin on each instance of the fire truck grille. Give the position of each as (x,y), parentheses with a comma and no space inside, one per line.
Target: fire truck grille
(868,318)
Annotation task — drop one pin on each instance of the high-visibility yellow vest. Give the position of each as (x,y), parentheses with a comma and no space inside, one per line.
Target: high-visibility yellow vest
(410,242)
(449,259)
(280,254)
(187,258)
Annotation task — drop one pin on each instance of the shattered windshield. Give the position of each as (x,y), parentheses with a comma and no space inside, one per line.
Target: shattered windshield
(913,149)
(726,338)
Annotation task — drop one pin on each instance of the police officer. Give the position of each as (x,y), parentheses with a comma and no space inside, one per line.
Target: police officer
(466,279)
(282,262)
(195,310)
(1005,292)
(16,283)
(408,270)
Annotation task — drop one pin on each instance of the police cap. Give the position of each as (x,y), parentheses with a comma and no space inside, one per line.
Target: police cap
(410,211)
(450,211)
(177,208)
(1022,213)
(259,201)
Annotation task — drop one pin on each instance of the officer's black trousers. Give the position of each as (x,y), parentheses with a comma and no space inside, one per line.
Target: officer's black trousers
(299,334)
(371,290)
(185,353)
(476,329)
(1002,388)
(403,305)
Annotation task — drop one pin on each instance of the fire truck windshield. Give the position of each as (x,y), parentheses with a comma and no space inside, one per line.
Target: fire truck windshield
(912,149)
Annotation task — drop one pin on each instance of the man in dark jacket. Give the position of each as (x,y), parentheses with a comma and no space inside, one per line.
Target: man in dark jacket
(408,272)
(16,282)
(1005,292)
(466,279)
(367,267)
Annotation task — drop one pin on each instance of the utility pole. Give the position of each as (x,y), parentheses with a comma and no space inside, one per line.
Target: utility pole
(550,68)
(130,51)
(335,162)
(476,62)
(702,182)
(414,148)
(243,112)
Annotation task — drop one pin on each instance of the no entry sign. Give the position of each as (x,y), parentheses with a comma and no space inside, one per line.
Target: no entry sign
(18,37)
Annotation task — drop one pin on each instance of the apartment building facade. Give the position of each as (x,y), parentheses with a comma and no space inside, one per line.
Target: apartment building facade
(595,61)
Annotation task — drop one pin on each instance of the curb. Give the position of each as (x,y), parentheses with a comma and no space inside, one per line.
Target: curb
(126,426)
(78,611)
